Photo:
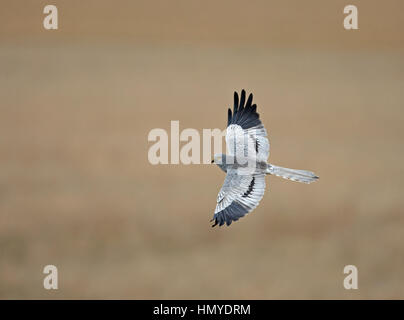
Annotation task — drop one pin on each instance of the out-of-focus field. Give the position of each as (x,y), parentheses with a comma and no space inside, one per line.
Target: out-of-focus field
(77,190)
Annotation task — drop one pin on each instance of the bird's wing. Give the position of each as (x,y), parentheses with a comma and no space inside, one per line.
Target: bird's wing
(239,195)
(245,132)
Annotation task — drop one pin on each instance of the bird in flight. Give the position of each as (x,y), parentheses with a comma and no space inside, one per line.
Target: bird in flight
(246,163)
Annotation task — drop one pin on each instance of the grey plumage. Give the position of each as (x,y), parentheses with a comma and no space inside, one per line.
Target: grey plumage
(246,164)
(292,174)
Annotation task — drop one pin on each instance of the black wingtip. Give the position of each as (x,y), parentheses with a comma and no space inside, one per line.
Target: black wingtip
(244,112)
(249,100)
(235,102)
(214,225)
(242,99)
(229,117)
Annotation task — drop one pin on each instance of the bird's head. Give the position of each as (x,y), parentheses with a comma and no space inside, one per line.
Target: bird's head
(220,160)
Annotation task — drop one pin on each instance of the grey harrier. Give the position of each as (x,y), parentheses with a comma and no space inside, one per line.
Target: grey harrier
(246,164)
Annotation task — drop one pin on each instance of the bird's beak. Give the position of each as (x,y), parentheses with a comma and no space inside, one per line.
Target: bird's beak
(213,160)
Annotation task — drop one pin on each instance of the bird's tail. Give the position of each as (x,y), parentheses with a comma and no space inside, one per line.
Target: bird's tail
(292,174)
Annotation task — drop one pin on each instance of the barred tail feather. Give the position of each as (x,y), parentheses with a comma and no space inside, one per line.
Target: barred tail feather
(292,174)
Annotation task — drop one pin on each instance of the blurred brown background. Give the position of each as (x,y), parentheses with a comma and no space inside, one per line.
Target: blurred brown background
(77,190)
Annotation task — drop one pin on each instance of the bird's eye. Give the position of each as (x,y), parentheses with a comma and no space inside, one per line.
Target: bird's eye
(213,160)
